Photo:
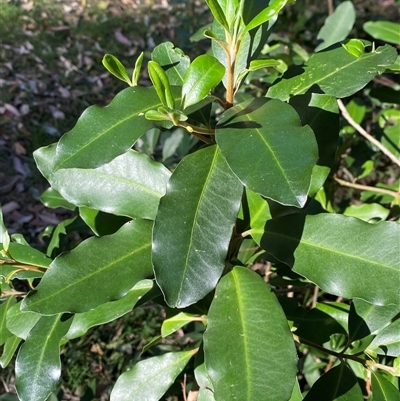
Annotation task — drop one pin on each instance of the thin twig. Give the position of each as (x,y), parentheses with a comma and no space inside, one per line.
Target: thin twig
(366,135)
(367,188)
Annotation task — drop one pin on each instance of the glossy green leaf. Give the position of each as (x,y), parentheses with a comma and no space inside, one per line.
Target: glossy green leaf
(108,311)
(366,319)
(38,366)
(173,61)
(218,13)
(103,133)
(4,307)
(338,384)
(356,47)
(337,26)
(151,378)
(206,391)
(266,14)
(161,84)
(44,159)
(52,198)
(321,113)
(130,185)
(205,73)
(384,30)
(102,223)
(387,341)
(98,270)
(245,337)
(335,72)
(21,323)
(364,263)
(27,255)
(370,212)
(382,389)
(268,149)
(174,323)
(296,393)
(262,63)
(189,249)
(116,68)
(9,348)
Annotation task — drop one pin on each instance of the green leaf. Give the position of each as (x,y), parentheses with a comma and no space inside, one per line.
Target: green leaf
(205,73)
(382,389)
(27,255)
(218,13)
(4,307)
(151,378)
(366,319)
(130,185)
(369,212)
(267,13)
(174,323)
(268,149)
(116,68)
(247,333)
(338,384)
(9,348)
(52,198)
(98,270)
(38,366)
(172,143)
(335,72)
(262,63)
(387,341)
(102,223)
(384,30)
(21,323)
(344,265)
(189,249)
(321,113)
(102,133)
(337,26)
(173,61)
(356,47)
(108,311)
(296,394)
(161,84)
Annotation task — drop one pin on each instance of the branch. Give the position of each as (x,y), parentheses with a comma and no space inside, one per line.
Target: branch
(365,134)
(367,188)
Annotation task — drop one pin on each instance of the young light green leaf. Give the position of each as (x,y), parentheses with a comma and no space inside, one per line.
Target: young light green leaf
(151,378)
(268,13)
(336,72)
(136,70)
(338,384)
(262,63)
(161,84)
(189,261)
(384,30)
(244,338)
(205,73)
(135,183)
(382,389)
(337,26)
(174,323)
(218,13)
(314,245)
(38,366)
(270,151)
(355,47)
(4,237)
(113,265)
(116,68)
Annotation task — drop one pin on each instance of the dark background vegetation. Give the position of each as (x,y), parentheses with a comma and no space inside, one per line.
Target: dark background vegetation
(50,71)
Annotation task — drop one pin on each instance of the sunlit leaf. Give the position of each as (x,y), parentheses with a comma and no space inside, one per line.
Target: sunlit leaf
(387,31)
(382,389)
(116,68)
(387,341)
